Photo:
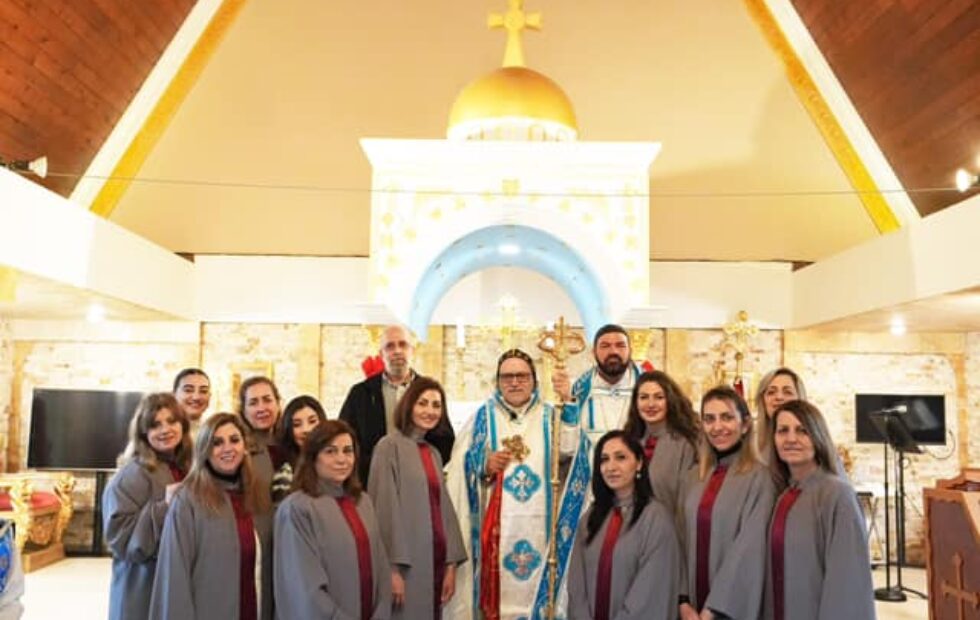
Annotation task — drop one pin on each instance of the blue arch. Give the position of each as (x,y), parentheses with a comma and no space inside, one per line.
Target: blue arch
(511,246)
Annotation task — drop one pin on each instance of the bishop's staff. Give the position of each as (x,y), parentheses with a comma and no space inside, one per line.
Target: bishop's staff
(559,344)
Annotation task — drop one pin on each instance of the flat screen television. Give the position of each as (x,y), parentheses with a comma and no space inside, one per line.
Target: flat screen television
(924,415)
(79,429)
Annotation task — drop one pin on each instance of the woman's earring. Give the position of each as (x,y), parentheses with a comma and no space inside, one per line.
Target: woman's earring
(638,474)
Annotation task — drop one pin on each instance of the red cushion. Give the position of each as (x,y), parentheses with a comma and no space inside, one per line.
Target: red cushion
(39,500)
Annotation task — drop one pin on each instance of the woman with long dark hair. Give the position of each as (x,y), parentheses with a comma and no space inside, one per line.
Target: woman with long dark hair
(301,415)
(136,500)
(625,561)
(422,537)
(817,553)
(662,419)
(330,559)
(726,504)
(216,551)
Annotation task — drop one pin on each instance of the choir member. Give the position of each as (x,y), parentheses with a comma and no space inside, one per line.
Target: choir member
(422,538)
(818,562)
(301,415)
(727,500)
(134,504)
(330,559)
(625,560)
(259,406)
(192,389)
(662,419)
(776,387)
(215,558)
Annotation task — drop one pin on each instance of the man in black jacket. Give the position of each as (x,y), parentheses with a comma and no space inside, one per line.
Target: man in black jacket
(370,404)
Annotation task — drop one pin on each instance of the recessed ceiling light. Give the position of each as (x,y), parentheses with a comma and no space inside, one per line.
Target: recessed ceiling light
(96,313)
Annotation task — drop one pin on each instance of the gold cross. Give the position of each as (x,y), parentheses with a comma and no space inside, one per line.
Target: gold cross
(964,596)
(514,21)
(559,343)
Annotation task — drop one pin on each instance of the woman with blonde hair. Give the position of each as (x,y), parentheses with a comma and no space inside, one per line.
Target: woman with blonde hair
(818,564)
(726,505)
(137,498)
(775,388)
(216,552)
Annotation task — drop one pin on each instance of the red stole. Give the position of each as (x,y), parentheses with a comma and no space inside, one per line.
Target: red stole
(364,569)
(649,447)
(490,553)
(603,579)
(438,533)
(175,472)
(777,541)
(247,602)
(703,558)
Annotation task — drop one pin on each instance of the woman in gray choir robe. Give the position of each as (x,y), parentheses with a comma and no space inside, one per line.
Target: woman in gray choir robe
(216,551)
(301,415)
(818,565)
(726,505)
(417,519)
(662,419)
(330,559)
(259,406)
(136,499)
(775,388)
(625,561)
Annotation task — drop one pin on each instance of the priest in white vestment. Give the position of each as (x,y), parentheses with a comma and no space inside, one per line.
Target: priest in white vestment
(498,480)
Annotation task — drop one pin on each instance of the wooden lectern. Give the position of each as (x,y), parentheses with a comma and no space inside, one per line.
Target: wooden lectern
(953,547)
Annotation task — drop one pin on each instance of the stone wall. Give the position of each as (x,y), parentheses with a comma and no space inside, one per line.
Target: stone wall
(837,366)
(82,364)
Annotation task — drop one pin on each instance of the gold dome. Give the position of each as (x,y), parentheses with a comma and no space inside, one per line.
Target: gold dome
(511,101)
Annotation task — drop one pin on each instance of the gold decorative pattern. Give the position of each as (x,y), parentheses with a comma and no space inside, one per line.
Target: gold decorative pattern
(156,123)
(823,117)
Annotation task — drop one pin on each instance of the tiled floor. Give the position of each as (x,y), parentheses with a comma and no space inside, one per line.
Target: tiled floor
(78,588)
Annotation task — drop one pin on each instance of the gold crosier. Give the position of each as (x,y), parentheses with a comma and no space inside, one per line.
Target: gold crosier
(559,344)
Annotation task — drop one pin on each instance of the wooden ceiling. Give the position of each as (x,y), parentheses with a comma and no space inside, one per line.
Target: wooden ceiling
(912,70)
(69,69)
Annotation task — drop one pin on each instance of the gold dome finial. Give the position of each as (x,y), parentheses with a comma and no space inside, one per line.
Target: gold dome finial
(514,21)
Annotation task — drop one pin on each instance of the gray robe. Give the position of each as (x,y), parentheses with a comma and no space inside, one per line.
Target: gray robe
(316,571)
(262,466)
(827,566)
(133,513)
(197,569)
(644,575)
(739,522)
(400,491)
(671,462)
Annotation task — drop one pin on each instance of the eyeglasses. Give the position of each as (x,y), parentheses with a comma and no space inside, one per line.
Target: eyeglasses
(520,377)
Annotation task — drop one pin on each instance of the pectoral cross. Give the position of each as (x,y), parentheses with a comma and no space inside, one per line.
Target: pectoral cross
(957,591)
(514,21)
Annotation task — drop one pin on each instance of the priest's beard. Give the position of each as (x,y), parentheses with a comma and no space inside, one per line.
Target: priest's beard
(612,368)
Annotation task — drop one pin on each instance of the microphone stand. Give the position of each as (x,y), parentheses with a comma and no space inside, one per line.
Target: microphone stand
(894,432)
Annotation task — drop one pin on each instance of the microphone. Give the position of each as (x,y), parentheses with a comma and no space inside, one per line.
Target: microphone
(897,409)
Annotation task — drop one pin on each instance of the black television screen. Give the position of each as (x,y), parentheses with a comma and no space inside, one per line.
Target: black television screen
(924,415)
(79,429)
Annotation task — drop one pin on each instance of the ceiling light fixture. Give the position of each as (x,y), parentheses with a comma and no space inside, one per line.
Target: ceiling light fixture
(965,180)
(96,313)
(898,327)
(37,166)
